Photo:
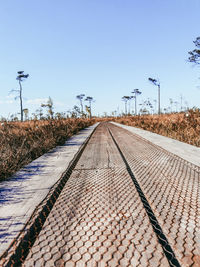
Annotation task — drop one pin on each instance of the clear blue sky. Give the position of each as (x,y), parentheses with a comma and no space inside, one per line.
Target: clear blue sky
(103,48)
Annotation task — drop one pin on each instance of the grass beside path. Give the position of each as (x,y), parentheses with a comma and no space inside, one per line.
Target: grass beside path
(22,142)
(184,126)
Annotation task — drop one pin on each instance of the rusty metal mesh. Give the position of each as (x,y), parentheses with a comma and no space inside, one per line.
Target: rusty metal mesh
(172,187)
(98,218)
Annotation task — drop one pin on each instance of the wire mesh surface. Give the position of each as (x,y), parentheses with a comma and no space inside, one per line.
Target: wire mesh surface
(172,187)
(100,218)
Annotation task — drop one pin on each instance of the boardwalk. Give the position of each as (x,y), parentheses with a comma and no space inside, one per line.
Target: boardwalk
(126,202)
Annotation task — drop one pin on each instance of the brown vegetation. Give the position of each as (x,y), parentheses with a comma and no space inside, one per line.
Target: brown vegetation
(183,126)
(22,142)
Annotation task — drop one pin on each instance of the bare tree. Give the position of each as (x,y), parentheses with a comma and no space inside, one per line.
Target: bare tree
(90,99)
(171,104)
(39,113)
(181,101)
(157,83)
(129,104)
(80,98)
(76,111)
(87,108)
(49,106)
(21,77)
(136,92)
(146,107)
(148,104)
(176,105)
(125,99)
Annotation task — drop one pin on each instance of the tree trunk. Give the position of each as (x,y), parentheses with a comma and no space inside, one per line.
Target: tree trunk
(159,99)
(20,97)
(135,104)
(90,111)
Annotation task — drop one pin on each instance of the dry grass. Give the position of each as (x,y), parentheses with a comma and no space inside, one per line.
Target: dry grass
(20,143)
(184,127)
